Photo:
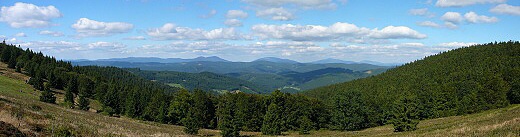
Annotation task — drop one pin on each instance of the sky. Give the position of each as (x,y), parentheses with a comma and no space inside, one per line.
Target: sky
(388,31)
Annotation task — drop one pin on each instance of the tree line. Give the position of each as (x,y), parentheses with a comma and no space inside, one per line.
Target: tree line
(461,81)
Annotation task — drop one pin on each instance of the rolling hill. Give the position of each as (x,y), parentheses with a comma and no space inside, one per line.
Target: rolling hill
(206,81)
(461,81)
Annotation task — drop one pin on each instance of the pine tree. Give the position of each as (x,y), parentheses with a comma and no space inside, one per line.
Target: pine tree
(12,62)
(272,124)
(305,125)
(69,92)
(229,123)
(190,123)
(6,54)
(47,95)
(405,114)
(179,106)
(83,102)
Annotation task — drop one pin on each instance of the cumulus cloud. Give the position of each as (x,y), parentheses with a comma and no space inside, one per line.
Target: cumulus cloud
(421,12)
(135,38)
(279,14)
(106,46)
(86,27)
(452,17)
(233,23)
(473,17)
(428,24)
(231,14)
(306,4)
(25,15)
(506,9)
(461,3)
(21,34)
(336,31)
(51,33)
(170,31)
(396,32)
(55,46)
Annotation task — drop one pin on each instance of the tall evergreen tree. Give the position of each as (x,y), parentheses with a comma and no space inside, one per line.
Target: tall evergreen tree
(83,102)
(190,123)
(47,95)
(229,123)
(272,120)
(405,114)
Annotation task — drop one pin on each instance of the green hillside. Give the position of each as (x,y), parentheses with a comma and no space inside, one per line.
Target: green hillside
(206,81)
(456,82)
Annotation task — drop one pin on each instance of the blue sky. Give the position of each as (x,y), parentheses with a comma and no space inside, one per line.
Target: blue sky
(244,30)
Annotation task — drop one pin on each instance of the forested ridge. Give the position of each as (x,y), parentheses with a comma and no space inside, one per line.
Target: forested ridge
(206,81)
(461,81)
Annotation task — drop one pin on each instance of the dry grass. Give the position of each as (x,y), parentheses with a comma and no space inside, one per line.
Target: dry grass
(499,122)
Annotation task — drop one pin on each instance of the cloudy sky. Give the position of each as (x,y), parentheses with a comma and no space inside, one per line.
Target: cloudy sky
(244,30)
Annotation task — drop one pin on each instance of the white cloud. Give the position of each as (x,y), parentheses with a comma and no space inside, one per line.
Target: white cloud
(279,14)
(135,38)
(236,14)
(106,46)
(460,3)
(396,32)
(453,17)
(210,14)
(305,4)
(21,34)
(506,9)
(25,15)
(453,45)
(86,28)
(450,25)
(473,17)
(336,31)
(51,33)
(55,46)
(170,31)
(421,12)
(429,24)
(233,23)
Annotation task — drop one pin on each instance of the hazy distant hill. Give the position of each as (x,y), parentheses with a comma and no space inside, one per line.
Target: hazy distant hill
(276,60)
(266,73)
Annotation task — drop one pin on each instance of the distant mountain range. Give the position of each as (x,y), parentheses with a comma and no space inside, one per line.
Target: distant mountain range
(259,76)
(218,59)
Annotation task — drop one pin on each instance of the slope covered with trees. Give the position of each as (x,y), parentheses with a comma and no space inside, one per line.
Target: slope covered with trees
(206,81)
(456,82)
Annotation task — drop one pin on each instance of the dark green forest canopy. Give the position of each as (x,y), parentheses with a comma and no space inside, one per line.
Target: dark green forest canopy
(460,81)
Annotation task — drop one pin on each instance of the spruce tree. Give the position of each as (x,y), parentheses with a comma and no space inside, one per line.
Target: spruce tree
(69,98)
(272,124)
(83,102)
(229,123)
(405,114)
(47,95)
(190,123)
(305,125)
